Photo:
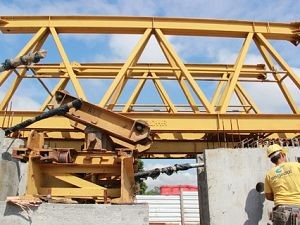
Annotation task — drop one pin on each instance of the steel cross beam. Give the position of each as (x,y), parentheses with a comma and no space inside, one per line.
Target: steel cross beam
(162,70)
(177,123)
(138,25)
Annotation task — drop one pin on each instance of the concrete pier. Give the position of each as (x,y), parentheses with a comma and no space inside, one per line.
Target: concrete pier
(227,186)
(13,174)
(74,214)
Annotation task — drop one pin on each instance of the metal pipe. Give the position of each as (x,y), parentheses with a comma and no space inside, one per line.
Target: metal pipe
(62,110)
(167,170)
(33,57)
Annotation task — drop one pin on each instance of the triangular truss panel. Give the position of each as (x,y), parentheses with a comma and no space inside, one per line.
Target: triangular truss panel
(121,63)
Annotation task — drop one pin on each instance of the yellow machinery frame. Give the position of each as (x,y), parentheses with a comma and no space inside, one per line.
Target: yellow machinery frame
(176,132)
(219,124)
(102,171)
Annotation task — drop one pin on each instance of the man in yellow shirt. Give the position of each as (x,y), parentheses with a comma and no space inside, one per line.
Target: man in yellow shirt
(282,185)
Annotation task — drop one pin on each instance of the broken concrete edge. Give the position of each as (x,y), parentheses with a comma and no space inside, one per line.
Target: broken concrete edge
(75,214)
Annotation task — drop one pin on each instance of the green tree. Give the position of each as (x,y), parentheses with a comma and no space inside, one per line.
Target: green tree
(142,185)
(154,191)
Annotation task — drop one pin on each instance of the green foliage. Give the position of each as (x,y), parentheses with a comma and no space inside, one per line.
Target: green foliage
(142,185)
(154,191)
(140,164)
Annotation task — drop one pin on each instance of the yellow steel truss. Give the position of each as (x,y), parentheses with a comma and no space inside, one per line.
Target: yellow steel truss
(210,117)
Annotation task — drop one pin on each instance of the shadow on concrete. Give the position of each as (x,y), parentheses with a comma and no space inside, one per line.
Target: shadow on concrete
(254,207)
(24,213)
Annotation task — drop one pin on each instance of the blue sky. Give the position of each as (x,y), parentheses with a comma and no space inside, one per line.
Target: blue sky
(116,48)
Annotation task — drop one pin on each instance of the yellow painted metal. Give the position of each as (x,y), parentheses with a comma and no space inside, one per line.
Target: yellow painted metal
(163,71)
(59,86)
(216,96)
(103,160)
(173,122)
(227,94)
(34,178)
(163,94)
(53,169)
(184,70)
(24,51)
(73,180)
(180,122)
(29,46)
(127,181)
(180,78)
(135,93)
(138,25)
(106,121)
(291,74)
(68,67)
(132,60)
(35,44)
(175,132)
(76,181)
(135,54)
(241,92)
(12,90)
(282,86)
(77,192)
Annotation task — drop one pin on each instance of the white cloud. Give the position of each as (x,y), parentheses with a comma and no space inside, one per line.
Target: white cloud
(121,46)
(22,103)
(180,178)
(269,97)
(78,7)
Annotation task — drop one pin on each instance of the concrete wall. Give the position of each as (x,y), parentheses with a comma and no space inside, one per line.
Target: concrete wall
(13,174)
(73,214)
(227,186)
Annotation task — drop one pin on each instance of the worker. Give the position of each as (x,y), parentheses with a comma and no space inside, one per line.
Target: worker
(282,185)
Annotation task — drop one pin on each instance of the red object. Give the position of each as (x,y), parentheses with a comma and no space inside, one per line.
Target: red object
(176,189)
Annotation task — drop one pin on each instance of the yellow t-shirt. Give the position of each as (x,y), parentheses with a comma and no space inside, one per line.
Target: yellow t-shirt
(284,182)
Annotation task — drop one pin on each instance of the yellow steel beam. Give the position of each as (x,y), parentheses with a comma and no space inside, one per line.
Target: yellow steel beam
(242,92)
(291,74)
(34,44)
(137,25)
(180,122)
(191,147)
(76,181)
(4,75)
(242,100)
(163,94)
(277,76)
(216,96)
(67,64)
(12,90)
(59,86)
(163,71)
(79,192)
(227,94)
(135,53)
(53,169)
(161,38)
(179,78)
(135,93)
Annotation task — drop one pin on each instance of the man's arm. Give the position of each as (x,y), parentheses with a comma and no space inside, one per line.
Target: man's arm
(269,196)
(268,190)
